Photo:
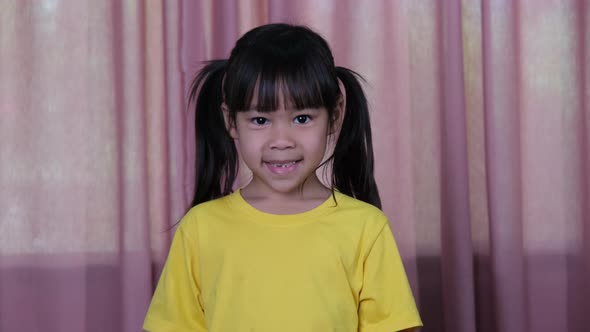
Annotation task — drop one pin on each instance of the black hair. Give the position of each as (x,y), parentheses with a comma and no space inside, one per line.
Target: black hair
(274,60)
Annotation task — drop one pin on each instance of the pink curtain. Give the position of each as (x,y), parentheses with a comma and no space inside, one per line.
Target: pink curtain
(481,120)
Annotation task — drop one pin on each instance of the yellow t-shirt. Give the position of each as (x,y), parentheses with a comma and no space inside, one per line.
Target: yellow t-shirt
(234,268)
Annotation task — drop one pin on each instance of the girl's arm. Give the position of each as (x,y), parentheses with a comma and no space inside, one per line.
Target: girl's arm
(176,305)
(386,300)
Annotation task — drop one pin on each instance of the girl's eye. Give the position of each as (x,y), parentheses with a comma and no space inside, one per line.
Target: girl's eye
(259,121)
(301,119)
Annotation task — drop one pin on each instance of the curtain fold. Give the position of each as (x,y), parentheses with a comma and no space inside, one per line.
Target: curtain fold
(481,124)
(501,98)
(457,250)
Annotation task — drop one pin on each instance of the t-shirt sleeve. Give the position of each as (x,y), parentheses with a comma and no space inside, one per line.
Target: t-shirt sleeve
(386,300)
(176,304)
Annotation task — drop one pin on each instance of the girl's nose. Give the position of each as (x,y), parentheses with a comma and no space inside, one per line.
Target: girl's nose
(281,138)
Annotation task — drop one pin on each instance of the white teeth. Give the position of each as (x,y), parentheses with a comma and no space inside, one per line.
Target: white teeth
(284,165)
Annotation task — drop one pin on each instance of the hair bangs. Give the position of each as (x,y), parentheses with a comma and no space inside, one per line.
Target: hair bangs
(263,79)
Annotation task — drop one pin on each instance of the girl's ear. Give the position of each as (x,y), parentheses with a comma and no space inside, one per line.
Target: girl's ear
(340,110)
(229,124)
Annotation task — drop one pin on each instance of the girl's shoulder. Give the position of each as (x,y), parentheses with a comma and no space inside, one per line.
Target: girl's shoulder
(359,212)
(349,200)
(339,209)
(350,204)
(359,218)
(209,210)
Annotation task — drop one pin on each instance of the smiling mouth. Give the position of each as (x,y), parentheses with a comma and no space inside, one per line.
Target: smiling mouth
(282,167)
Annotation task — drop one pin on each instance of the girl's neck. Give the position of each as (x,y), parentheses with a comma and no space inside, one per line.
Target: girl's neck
(312,194)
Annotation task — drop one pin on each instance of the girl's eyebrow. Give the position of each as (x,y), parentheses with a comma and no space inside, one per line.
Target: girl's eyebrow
(254,108)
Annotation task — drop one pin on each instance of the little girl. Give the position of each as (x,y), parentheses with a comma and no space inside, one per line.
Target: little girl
(283,253)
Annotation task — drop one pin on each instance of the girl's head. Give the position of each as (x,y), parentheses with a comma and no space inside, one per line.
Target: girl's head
(278,97)
(279,60)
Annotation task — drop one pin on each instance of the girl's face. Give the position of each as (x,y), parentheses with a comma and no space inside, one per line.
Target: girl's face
(282,148)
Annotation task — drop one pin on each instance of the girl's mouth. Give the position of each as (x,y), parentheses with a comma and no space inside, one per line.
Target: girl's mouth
(280,167)
(284,165)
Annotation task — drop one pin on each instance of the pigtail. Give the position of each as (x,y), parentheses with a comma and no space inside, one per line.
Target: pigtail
(216,156)
(353,163)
